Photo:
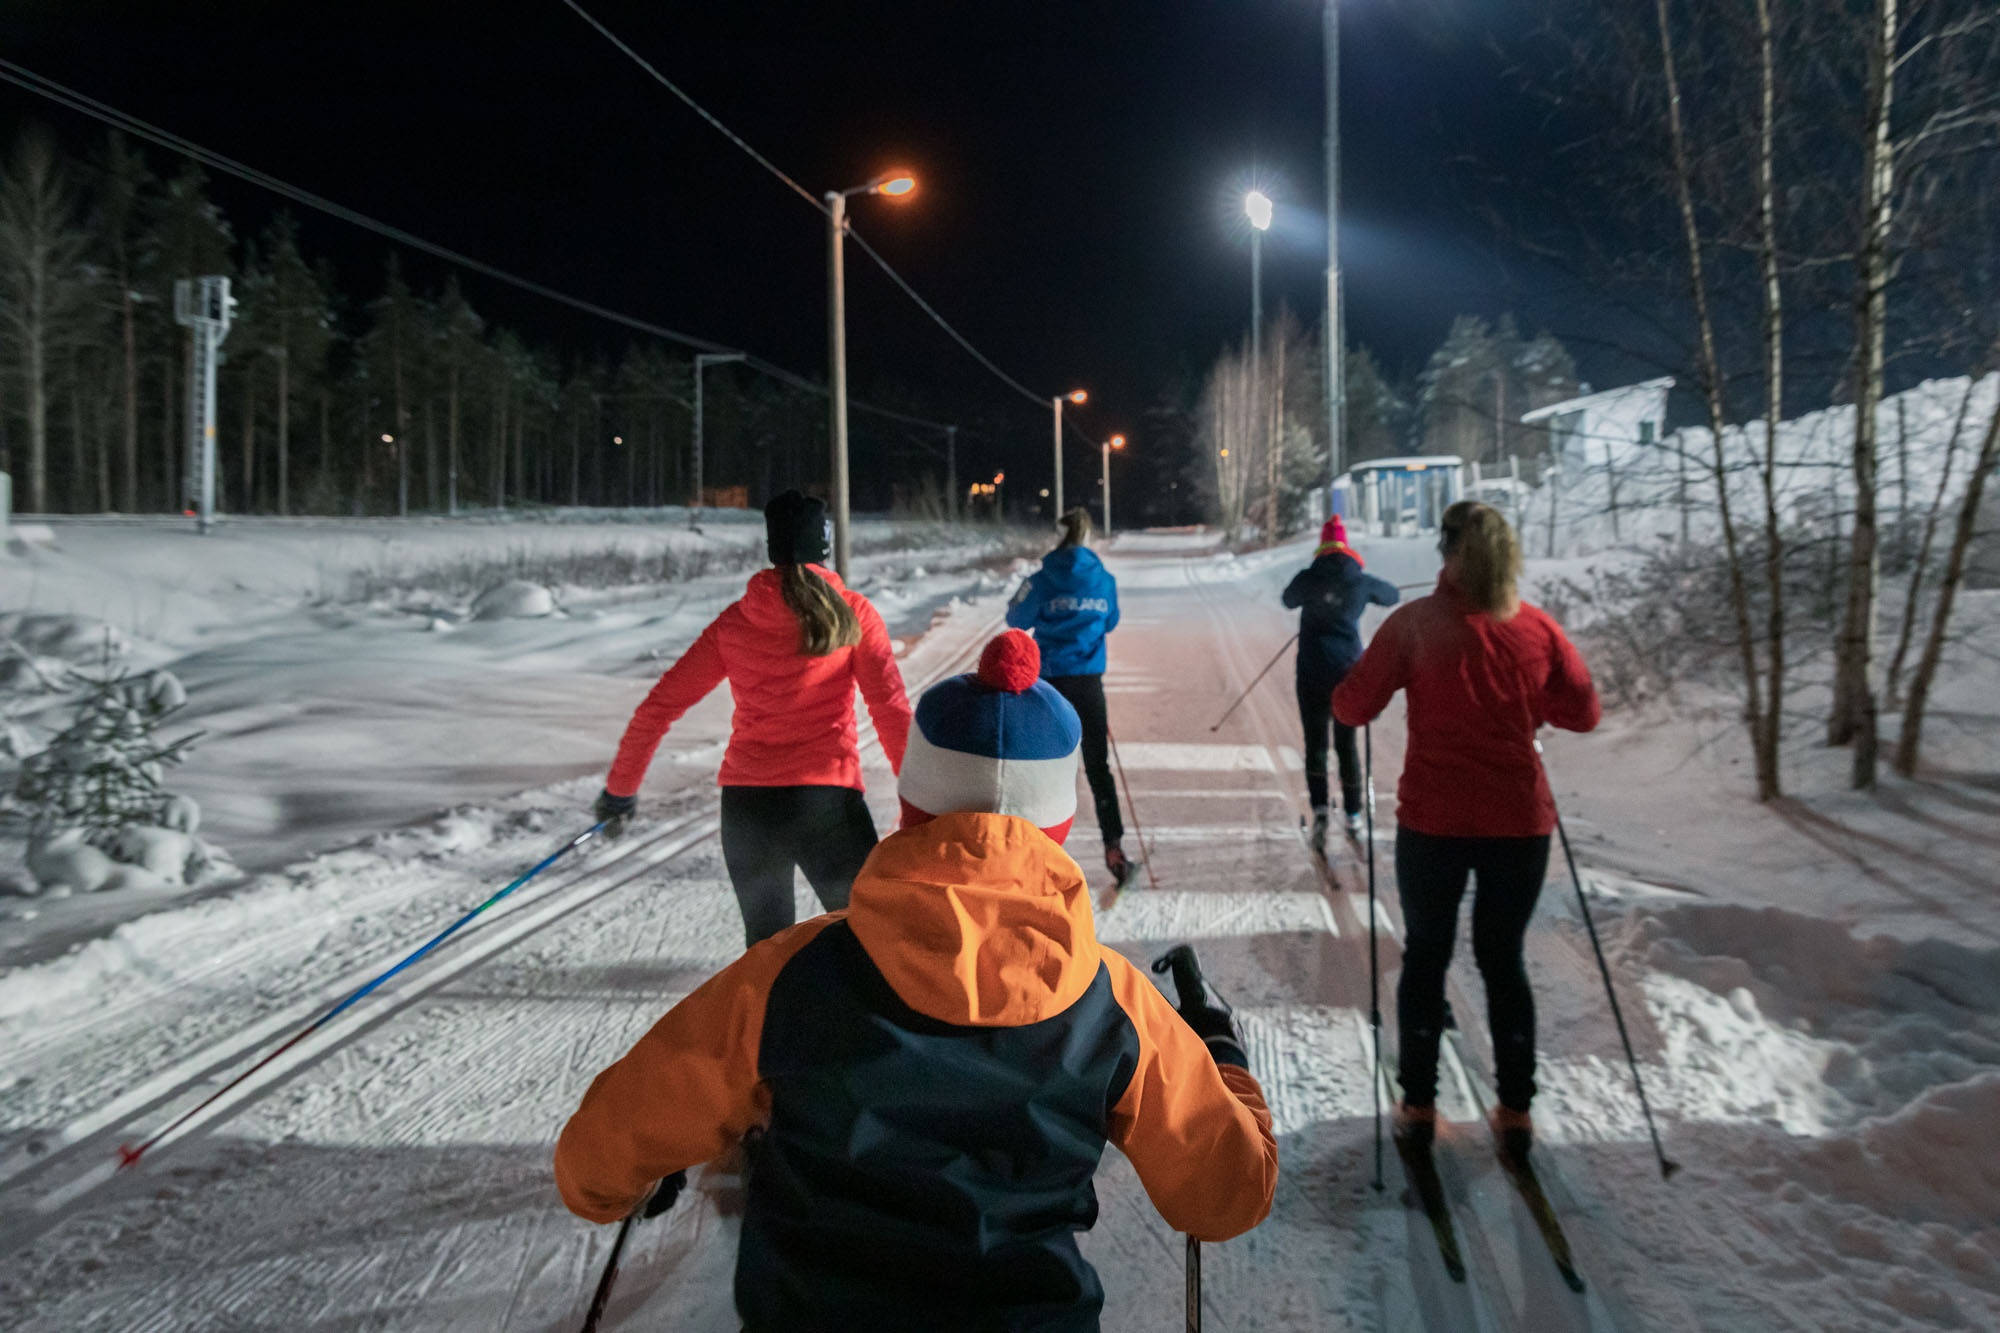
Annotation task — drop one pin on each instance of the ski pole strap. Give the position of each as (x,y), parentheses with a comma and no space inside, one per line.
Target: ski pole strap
(129,1156)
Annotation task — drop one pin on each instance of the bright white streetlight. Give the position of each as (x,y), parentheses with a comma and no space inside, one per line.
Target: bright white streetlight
(1257,206)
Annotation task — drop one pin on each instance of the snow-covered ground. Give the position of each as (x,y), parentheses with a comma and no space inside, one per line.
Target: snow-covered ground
(1814,989)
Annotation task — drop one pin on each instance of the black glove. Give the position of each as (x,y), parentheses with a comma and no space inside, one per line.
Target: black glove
(666,1191)
(613,811)
(1201,1008)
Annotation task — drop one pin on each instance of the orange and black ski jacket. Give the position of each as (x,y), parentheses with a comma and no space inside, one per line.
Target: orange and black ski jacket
(937,1070)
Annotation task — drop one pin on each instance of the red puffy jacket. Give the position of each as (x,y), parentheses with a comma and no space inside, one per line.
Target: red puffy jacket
(1477,690)
(794,723)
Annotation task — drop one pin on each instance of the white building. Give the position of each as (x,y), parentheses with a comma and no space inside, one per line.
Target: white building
(1615,429)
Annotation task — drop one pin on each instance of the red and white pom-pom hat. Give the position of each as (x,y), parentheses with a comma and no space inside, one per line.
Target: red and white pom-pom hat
(999,741)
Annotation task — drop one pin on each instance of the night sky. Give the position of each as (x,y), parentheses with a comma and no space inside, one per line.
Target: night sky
(1081,164)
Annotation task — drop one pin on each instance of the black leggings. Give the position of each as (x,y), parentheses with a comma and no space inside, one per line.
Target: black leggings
(1315,712)
(1086,696)
(1430,875)
(767,832)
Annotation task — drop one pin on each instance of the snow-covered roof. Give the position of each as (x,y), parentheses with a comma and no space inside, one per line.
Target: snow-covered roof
(1414,463)
(1605,398)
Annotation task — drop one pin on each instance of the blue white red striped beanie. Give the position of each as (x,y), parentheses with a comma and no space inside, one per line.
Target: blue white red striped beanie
(999,740)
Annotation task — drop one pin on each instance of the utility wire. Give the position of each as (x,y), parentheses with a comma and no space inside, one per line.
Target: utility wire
(130,124)
(818,205)
(121,120)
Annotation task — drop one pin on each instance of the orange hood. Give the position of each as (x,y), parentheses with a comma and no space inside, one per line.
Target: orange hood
(977,919)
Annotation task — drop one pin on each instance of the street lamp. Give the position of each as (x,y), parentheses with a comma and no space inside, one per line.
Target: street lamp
(1074,396)
(896,184)
(1336,318)
(1115,442)
(702,360)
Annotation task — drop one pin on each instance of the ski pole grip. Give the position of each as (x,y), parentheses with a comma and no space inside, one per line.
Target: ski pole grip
(1186,969)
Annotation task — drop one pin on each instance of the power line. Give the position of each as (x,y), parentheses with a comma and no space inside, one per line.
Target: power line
(818,205)
(130,124)
(122,120)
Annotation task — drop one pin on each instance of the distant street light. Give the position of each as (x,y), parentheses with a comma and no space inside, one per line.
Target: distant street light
(1074,396)
(897,184)
(1115,442)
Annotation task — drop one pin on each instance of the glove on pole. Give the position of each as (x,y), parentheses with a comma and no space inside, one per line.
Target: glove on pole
(659,1201)
(129,1155)
(1208,1014)
(1253,684)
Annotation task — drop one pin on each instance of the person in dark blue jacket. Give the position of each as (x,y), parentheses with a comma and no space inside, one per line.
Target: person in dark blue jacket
(1070,604)
(1331,593)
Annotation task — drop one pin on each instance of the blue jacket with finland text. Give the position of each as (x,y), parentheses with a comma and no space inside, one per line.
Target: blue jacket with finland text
(1069,604)
(1331,593)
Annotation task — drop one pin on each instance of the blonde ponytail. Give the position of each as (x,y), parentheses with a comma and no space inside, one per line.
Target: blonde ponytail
(1488,556)
(826,622)
(1075,527)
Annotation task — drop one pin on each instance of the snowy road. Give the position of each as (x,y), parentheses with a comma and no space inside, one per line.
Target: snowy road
(397,1177)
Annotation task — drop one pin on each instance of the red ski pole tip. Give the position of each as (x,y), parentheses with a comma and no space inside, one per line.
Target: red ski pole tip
(129,1156)
(1011,662)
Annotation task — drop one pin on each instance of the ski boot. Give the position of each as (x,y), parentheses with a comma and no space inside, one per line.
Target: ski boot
(1513,1132)
(1317,837)
(1354,828)
(1413,1127)
(1121,867)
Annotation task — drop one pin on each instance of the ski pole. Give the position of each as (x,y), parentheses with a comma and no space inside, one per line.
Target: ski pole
(1253,684)
(1193,1285)
(1374,984)
(602,1296)
(129,1155)
(1132,804)
(1667,1168)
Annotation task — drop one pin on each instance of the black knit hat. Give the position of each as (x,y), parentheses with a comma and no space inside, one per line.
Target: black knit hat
(796,530)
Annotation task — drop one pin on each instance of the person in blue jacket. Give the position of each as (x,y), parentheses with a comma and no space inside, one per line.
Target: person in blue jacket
(1331,593)
(1070,604)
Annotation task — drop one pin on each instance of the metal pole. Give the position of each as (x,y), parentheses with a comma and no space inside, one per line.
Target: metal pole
(1255,396)
(694,500)
(951,472)
(836,333)
(1058,488)
(1336,317)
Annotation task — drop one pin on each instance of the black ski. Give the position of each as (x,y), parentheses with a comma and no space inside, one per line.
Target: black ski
(1429,1189)
(1109,898)
(1521,1171)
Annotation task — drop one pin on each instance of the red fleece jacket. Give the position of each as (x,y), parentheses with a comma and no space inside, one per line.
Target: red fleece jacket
(794,723)
(1477,690)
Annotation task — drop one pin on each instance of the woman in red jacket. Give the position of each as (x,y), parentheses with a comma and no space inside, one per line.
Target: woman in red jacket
(1482,670)
(793,649)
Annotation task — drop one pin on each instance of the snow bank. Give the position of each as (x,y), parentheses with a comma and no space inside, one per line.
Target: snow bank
(516,599)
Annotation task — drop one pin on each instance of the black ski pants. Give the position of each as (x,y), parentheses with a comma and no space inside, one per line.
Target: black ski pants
(768,832)
(1315,714)
(1430,875)
(1086,696)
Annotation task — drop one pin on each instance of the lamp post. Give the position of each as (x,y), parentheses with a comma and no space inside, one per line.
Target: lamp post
(896,184)
(1336,317)
(703,360)
(1073,396)
(1115,442)
(1257,207)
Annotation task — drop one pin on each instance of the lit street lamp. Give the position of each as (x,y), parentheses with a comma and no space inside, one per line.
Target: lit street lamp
(896,184)
(1074,396)
(1115,442)
(1257,206)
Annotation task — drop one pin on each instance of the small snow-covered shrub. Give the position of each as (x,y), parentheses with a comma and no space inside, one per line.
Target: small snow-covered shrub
(516,599)
(97,815)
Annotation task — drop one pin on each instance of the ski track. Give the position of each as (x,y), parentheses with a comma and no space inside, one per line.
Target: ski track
(399,1179)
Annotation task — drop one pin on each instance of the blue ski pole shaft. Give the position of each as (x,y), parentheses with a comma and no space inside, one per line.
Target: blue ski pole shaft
(129,1156)
(1374,983)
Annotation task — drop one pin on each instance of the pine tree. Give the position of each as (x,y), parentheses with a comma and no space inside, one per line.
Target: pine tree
(102,773)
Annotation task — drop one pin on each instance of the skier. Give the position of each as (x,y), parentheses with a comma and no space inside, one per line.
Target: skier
(1071,604)
(1331,593)
(792,648)
(928,1079)
(1482,670)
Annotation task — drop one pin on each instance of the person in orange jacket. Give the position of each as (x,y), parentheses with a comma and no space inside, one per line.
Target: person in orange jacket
(930,1076)
(792,649)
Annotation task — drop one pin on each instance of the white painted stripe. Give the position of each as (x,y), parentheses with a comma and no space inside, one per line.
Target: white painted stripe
(1196,758)
(1041,791)
(1144,916)
(1196,834)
